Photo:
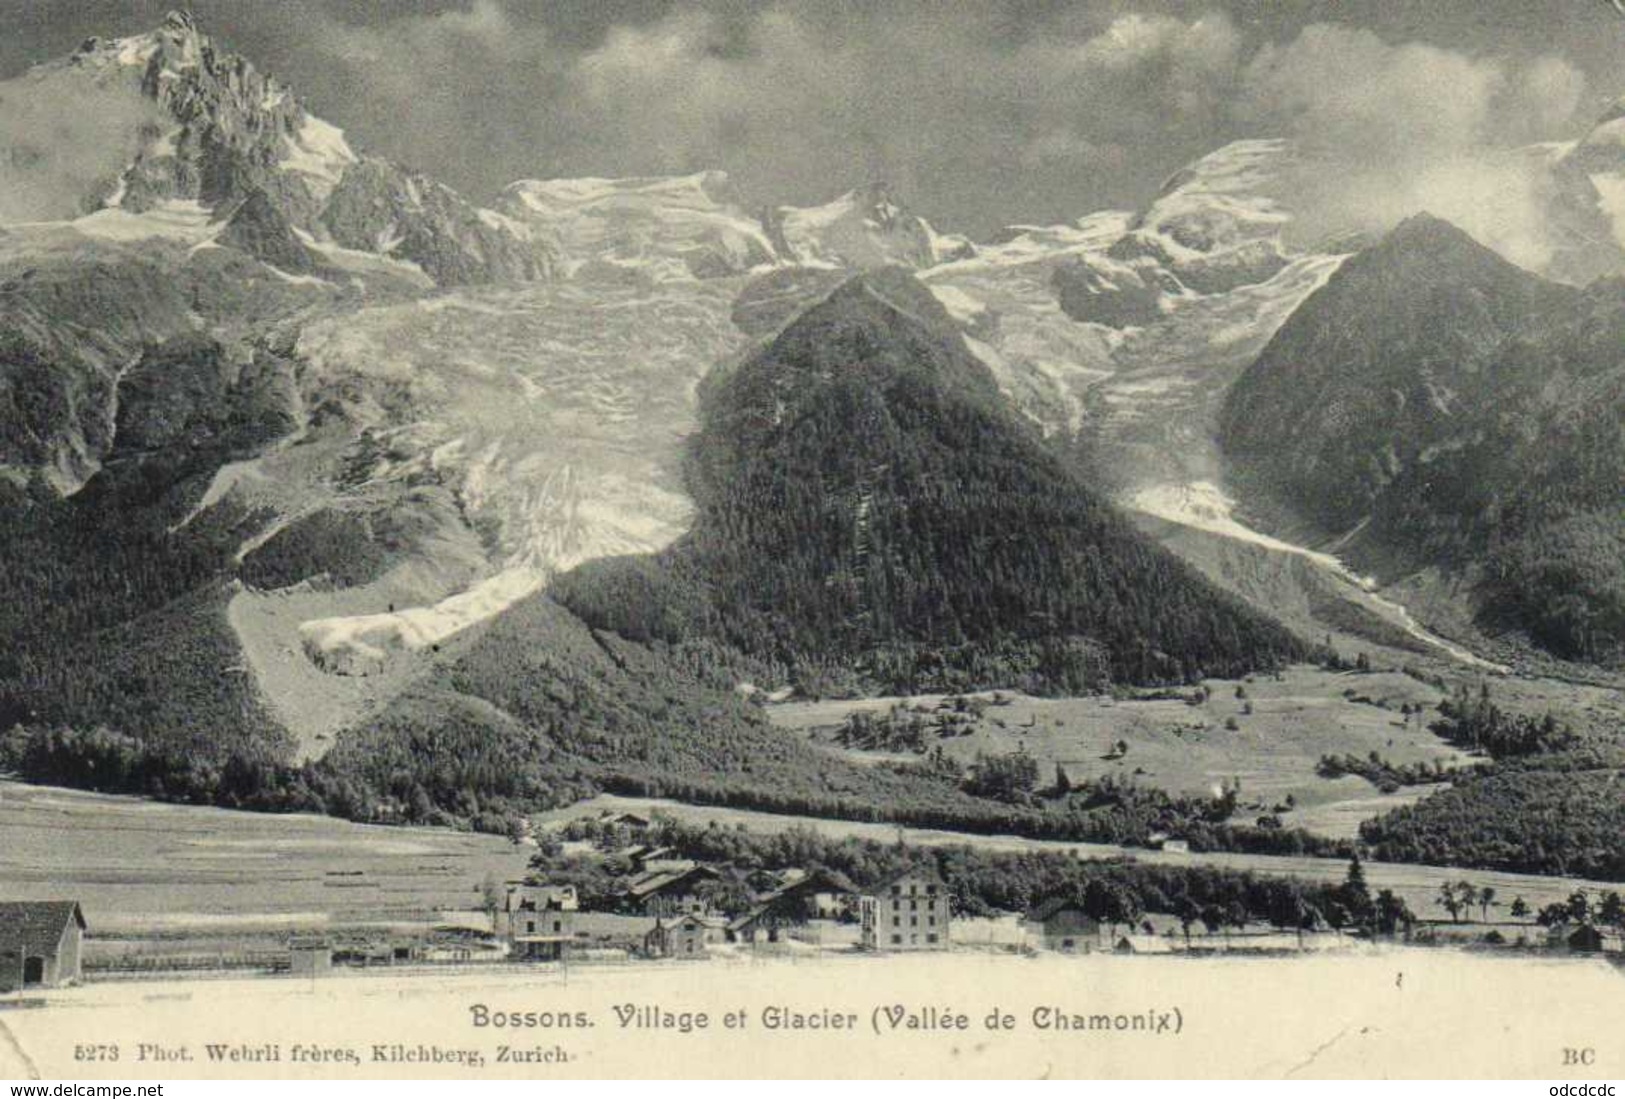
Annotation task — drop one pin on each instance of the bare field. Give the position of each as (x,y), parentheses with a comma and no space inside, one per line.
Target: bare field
(143,868)
(1187,749)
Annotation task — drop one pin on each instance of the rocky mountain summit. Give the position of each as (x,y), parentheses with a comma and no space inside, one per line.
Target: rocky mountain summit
(208,128)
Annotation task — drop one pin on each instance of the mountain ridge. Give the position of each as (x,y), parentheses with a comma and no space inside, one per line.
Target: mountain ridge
(1444,409)
(939,544)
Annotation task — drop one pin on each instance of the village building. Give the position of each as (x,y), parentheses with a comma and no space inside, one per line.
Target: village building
(759,925)
(526,904)
(715,928)
(909,912)
(683,937)
(1586,939)
(459,943)
(309,957)
(800,899)
(630,822)
(366,950)
(41,944)
(541,935)
(1061,925)
(822,895)
(645,858)
(1142,944)
(670,893)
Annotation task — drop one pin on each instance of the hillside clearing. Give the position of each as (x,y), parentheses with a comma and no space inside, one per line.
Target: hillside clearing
(1186,748)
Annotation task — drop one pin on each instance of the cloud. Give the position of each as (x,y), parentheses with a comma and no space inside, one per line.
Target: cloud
(974,116)
(61,133)
(1389,130)
(797,101)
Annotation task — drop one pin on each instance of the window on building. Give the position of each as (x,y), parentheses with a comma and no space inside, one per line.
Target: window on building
(557,927)
(932,920)
(931,938)
(897,939)
(914,921)
(897,890)
(930,890)
(530,926)
(913,906)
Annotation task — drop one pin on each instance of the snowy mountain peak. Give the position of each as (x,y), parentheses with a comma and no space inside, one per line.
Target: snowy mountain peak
(181,39)
(185,123)
(662,227)
(863,228)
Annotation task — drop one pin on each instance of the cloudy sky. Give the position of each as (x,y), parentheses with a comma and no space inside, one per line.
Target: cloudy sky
(979,114)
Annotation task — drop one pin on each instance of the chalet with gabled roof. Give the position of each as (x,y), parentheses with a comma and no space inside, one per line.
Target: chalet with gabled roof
(1060,924)
(683,937)
(670,892)
(41,944)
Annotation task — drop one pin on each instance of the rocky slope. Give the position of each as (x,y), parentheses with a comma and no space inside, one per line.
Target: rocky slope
(1443,409)
(189,122)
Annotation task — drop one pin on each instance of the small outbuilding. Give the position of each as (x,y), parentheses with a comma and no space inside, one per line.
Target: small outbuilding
(1586,940)
(310,957)
(41,944)
(683,937)
(1062,925)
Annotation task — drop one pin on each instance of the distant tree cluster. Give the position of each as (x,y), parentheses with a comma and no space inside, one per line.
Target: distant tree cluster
(986,882)
(1473,721)
(1386,776)
(1550,814)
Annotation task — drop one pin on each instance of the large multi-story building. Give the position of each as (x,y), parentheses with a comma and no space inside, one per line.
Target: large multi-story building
(909,912)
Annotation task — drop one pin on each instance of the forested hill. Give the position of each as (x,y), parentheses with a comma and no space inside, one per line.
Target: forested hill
(1462,414)
(871,516)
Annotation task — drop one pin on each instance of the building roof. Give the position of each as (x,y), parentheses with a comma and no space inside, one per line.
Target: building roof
(659,881)
(927,875)
(1585,933)
(680,923)
(819,881)
(746,920)
(531,896)
(35,927)
(1044,910)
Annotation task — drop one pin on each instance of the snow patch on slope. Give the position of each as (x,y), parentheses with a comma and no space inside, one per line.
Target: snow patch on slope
(362,645)
(1203,505)
(318,150)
